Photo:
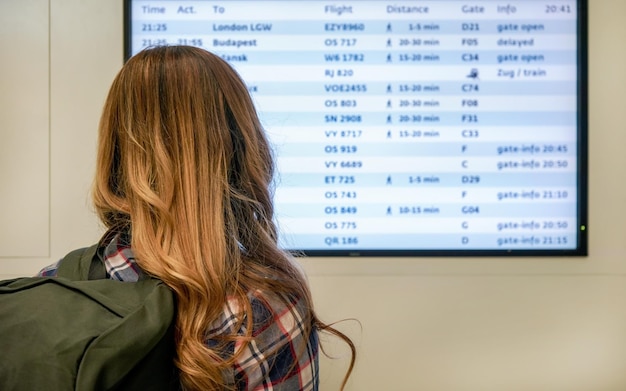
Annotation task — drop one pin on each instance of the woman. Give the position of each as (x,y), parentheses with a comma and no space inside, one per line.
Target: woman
(182,185)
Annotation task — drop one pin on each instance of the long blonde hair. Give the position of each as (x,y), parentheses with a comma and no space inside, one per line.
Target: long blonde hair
(184,164)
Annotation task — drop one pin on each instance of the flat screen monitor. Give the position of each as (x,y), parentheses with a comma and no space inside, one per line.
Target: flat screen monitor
(407,128)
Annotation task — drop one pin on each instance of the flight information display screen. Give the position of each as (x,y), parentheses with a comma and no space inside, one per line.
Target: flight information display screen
(407,127)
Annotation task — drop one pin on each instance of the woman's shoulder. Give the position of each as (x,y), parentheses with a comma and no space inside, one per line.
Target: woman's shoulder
(287,312)
(269,311)
(282,349)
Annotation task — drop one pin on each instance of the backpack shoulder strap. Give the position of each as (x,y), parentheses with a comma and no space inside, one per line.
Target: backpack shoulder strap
(77,264)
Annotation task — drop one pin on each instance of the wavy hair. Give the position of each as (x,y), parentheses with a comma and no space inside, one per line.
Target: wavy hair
(184,164)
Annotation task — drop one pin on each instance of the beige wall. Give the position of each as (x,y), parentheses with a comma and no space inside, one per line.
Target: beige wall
(440,324)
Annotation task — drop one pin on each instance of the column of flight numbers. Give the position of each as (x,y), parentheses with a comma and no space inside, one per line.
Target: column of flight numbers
(349,124)
(347,127)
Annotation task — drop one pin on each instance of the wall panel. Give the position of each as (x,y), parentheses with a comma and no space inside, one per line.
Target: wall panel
(24,129)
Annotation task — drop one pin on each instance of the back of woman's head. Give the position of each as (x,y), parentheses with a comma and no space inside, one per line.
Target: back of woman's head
(183,165)
(179,126)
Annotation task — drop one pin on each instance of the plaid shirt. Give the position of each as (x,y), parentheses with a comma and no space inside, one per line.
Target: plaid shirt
(278,358)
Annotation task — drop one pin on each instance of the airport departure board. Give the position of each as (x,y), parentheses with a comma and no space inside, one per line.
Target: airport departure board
(407,127)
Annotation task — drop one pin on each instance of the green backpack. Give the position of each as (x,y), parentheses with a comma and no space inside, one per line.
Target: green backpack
(80,331)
